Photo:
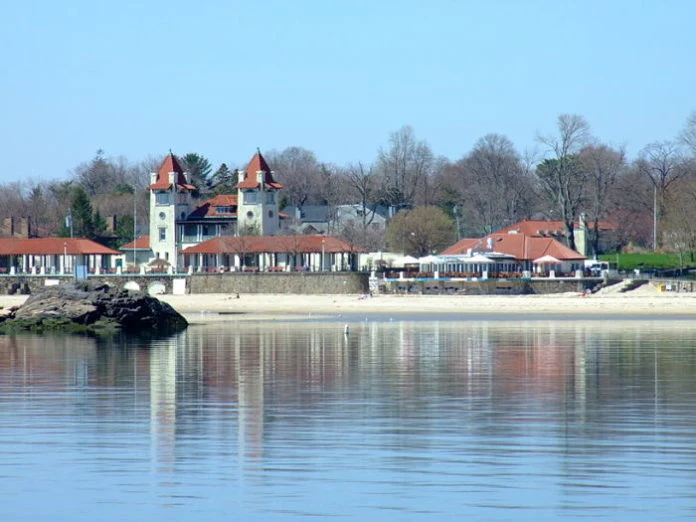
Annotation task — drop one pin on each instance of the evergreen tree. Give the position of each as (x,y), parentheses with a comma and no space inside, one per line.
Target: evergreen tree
(200,170)
(224,180)
(124,230)
(82,214)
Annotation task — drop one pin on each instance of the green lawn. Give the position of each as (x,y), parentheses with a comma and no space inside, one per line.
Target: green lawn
(647,261)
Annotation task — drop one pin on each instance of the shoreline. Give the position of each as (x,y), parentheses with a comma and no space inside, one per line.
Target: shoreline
(645,301)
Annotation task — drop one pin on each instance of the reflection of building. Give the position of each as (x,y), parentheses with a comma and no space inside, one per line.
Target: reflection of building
(163,380)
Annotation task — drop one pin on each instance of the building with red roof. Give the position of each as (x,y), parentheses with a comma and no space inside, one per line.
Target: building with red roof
(521,247)
(272,253)
(233,231)
(54,255)
(556,229)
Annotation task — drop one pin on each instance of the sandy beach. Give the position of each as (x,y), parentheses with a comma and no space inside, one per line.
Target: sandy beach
(646,300)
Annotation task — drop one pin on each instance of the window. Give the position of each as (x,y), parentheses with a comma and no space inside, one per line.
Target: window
(224,209)
(162,234)
(251,198)
(190,230)
(270,197)
(162,198)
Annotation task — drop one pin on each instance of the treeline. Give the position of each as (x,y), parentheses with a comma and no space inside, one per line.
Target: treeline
(651,198)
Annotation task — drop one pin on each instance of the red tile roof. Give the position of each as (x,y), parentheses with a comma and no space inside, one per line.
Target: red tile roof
(53,246)
(547,227)
(520,246)
(258,164)
(141,243)
(209,209)
(170,164)
(271,244)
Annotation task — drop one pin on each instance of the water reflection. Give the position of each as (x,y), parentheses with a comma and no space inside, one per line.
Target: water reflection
(423,418)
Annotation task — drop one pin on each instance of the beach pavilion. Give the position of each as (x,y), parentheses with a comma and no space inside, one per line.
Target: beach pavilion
(517,255)
(272,254)
(54,255)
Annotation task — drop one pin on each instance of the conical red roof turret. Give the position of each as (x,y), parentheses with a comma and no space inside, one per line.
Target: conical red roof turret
(170,164)
(258,164)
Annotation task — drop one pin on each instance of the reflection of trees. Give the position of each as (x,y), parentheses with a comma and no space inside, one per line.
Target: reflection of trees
(245,382)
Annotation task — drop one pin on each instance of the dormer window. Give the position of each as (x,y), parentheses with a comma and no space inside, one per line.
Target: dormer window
(223,209)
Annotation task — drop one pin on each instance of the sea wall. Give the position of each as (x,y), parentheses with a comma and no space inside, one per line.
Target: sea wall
(322,283)
(488,286)
(204,283)
(280,283)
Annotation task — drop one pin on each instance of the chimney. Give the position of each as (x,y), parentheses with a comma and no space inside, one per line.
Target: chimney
(6,227)
(111,223)
(24,228)
(153,178)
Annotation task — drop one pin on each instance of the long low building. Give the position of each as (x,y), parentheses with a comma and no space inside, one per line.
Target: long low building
(272,253)
(55,255)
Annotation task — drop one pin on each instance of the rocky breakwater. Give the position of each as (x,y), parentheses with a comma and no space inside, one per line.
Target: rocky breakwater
(82,306)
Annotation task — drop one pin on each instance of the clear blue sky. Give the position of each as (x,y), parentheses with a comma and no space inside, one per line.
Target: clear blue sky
(138,77)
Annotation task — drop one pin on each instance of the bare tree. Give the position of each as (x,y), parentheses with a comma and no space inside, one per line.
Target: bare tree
(498,185)
(101,175)
(364,189)
(300,172)
(663,163)
(332,187)
(602,166)
(688,133)
(679,223)
(403,167)
(363,192)
(561,175)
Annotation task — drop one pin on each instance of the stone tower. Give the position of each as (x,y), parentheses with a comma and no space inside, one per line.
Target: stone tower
(257,199)
(170,202)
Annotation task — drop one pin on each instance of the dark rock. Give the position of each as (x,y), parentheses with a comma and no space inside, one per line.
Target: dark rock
(91,307)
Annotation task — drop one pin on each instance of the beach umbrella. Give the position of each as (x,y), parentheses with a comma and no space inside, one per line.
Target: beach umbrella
(547,260)
(408,260)
(478,259)
(428,260)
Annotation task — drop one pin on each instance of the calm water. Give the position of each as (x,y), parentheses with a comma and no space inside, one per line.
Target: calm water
(399,420)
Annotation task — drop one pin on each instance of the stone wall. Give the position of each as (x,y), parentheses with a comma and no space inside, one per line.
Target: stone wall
(487,287)
(227,283)
(280,283)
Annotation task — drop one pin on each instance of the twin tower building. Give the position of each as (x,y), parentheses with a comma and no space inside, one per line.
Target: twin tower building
(176,222)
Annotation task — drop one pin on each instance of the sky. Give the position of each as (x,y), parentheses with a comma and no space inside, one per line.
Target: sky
(137,78)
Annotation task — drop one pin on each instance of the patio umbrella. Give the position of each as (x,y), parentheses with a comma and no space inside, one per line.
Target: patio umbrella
(428,260)
(478,259)
(159,263)
(408,260)
(547,260)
